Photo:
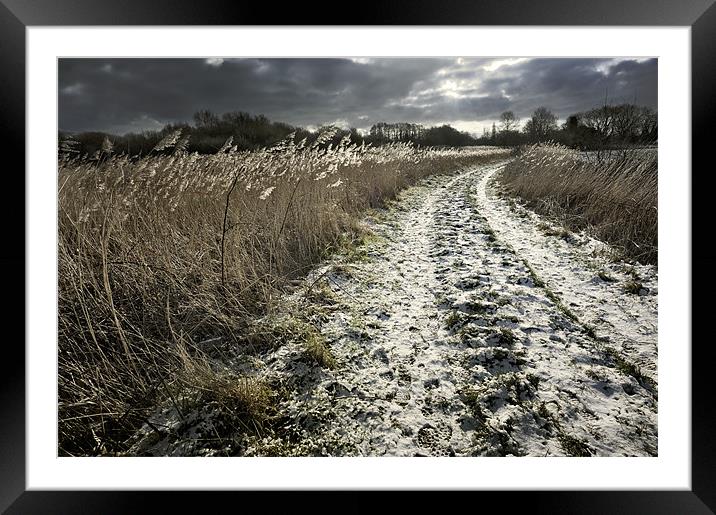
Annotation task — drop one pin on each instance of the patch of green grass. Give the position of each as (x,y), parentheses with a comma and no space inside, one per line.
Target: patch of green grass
(590,331)
(315,313)
(633,273)
(354,245)
(318,351)
(342,269)
(592,374)
(543,412)
(359,327)
(560,305)
(499,354)
(277,448)
(357,255)
(274,333)
(548,230)
(470,332)
(234,402)
(478,307)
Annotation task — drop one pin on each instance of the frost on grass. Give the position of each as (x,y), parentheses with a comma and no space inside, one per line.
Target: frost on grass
(461,327)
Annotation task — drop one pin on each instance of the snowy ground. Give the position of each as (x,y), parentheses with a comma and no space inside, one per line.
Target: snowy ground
(463,328)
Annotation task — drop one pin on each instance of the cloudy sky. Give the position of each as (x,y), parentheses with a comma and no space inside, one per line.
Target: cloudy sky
(131,95)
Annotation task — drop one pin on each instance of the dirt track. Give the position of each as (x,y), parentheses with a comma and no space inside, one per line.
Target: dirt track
(464,329)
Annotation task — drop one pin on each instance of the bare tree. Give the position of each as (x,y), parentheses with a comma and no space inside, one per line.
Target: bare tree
(621,124)
(205,118)
(508,121)
(542,124)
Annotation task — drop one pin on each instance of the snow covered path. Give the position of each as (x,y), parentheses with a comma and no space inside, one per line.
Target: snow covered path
(466,325)
(463,330)
(571,266)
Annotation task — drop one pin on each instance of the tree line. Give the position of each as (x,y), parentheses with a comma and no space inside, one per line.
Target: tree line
(604,127)
(608,126)
(206,135)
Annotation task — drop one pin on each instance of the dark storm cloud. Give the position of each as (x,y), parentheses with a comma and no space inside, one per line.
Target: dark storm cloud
(571,85)
(121,95)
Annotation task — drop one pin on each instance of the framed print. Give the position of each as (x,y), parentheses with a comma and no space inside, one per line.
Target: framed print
(265,254)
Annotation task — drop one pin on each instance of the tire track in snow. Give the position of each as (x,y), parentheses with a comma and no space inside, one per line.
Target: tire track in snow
(446,347)
(570,269)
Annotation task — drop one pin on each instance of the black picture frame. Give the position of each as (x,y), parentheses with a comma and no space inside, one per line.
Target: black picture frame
(17,15)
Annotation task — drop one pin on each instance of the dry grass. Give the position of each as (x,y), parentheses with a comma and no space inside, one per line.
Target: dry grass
(159,254)
(615,199)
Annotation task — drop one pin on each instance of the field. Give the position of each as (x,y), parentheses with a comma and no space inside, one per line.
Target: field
(162,254)
(358,301)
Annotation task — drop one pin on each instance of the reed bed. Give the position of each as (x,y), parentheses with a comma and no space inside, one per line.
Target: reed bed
(160,254)
(614,199)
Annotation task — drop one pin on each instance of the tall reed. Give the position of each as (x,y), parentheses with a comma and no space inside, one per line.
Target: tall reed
(615,199)
(159,254)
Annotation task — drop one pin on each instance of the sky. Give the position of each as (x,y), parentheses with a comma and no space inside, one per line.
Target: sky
(136,94)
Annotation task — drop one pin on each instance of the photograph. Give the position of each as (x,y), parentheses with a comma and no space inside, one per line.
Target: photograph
(449,256)
(255,252)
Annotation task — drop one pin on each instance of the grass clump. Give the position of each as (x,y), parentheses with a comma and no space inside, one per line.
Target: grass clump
(455,320)
(317,350)
(539,283)
(321,294)
(634,287)
(604,276)
(479,307)
(247,399)
(574,446)
(276,332)
(503,336)
(630,369)
(548,230)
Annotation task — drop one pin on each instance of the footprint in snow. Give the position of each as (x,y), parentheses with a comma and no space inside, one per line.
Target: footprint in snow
(436,438)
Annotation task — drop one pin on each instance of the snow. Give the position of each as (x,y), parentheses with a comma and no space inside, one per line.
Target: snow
(445,346)
(570,268)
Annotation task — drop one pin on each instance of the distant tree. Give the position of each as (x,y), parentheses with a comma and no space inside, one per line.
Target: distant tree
(205,118)
(619,125)
(508,121)
(382,132)
(508,134)
(600,121)
(445,135)
(649,127)
(542,125)
(573,133)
